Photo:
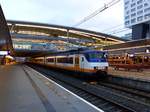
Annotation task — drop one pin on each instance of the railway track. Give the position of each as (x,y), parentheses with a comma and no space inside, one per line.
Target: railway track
(130,92)
(106,96)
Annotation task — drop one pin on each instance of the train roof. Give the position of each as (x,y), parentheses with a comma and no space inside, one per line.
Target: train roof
(91,51)
(71,52)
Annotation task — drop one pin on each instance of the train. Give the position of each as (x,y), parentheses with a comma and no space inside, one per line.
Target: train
(85,63)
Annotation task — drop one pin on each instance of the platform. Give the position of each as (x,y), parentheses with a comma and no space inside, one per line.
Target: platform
(133,74)
(23,89)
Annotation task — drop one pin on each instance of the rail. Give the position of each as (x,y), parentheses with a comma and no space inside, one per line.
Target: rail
(112,100)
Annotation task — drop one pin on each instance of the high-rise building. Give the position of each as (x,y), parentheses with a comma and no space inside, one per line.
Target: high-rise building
(137,17)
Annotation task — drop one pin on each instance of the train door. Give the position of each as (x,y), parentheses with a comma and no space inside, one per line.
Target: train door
(55,60)
(44,60)
(77,63)
(82,60)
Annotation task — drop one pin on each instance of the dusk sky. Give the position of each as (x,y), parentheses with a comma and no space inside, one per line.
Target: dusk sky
(67,12)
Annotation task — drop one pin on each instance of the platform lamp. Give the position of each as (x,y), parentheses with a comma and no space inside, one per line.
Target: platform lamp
(147,50)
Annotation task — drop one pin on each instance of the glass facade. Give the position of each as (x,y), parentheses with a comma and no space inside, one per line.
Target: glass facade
(136,11)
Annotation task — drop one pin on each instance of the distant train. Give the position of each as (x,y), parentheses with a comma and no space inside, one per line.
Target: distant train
(138,61)
(87,63)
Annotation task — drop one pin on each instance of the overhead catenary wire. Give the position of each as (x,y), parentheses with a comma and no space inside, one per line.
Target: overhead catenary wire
(123,30)
(114,30)
(113,27)
(106,6)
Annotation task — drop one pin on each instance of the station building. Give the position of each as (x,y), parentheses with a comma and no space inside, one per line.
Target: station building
(137,17)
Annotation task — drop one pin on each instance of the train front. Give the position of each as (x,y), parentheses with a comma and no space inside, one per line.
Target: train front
(97,62)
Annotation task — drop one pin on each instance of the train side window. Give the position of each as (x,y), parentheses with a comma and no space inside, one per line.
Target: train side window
(70,60)
(50,60)
(82,59)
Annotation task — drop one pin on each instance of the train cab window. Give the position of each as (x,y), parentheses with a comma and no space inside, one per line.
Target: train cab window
(82,59)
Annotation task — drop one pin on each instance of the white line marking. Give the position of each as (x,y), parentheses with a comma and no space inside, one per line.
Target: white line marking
(67,90)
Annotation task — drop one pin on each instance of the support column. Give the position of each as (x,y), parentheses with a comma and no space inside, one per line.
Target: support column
(68,37)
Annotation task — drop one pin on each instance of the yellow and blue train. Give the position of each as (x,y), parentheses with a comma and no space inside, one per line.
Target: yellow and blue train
(88,62)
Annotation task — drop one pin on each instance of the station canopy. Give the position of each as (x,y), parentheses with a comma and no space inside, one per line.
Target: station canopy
(64,37)
(141,46)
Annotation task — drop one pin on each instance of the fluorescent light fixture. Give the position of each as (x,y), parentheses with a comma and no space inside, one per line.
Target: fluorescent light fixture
(147,51)
(10,57)
(131,55)
(3,52)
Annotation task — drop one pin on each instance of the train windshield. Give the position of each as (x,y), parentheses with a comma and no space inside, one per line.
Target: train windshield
(96,56)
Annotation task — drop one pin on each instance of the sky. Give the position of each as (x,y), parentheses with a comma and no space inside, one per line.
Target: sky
(68,13)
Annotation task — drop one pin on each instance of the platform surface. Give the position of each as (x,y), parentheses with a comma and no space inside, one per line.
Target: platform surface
(24,90)
(133,74)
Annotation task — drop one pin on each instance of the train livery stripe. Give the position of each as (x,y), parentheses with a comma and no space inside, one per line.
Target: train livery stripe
(72,68)
(77,69)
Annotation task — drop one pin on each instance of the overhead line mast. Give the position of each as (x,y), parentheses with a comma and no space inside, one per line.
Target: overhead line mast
(106,6)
